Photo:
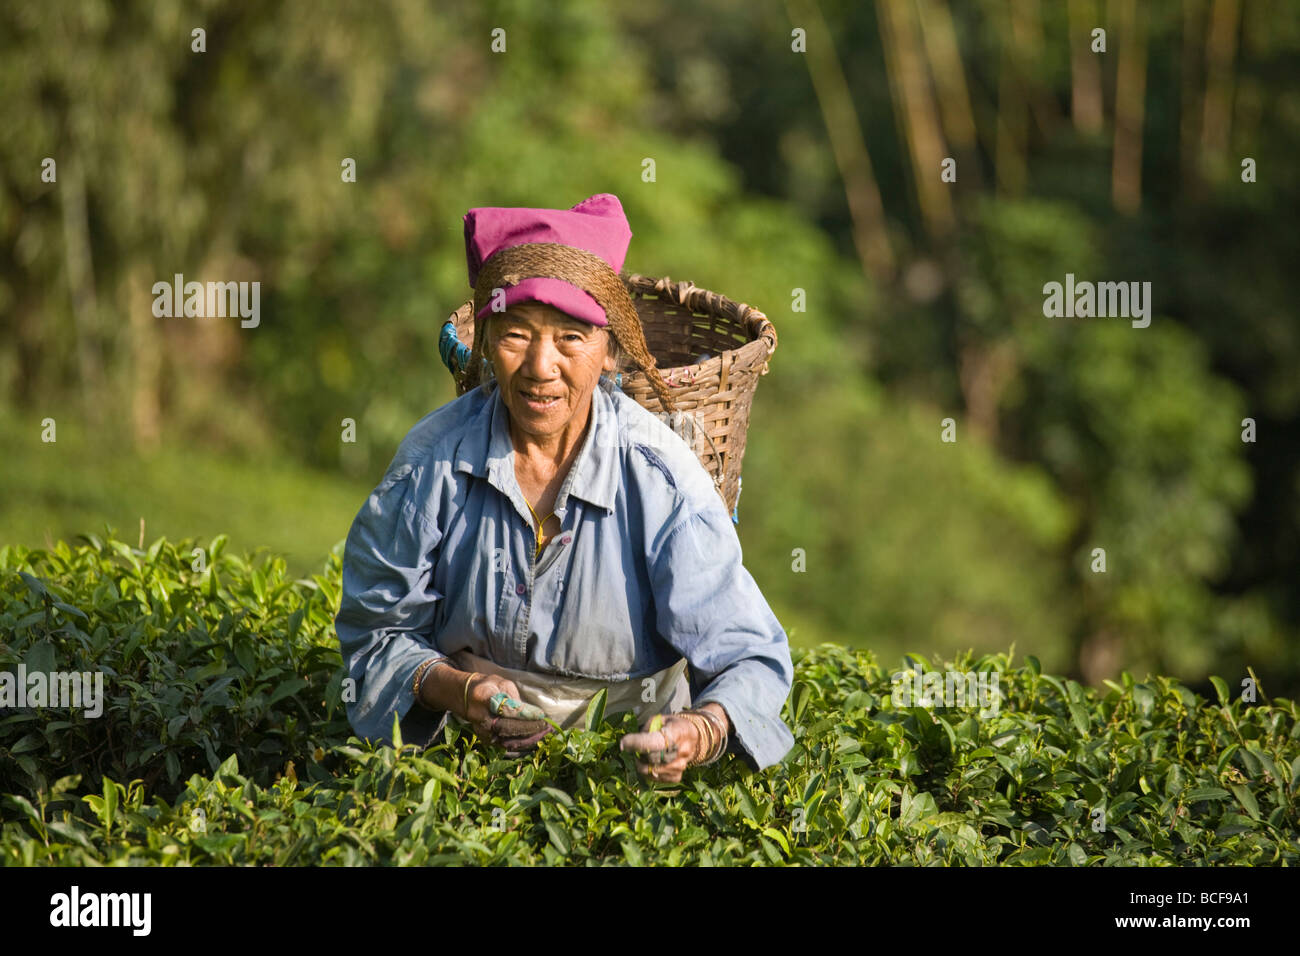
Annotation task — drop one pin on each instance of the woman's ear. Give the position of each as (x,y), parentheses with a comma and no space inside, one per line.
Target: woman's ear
(611,347)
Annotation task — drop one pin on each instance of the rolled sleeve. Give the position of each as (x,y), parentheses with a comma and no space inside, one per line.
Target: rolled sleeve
(386,611)
(710,609)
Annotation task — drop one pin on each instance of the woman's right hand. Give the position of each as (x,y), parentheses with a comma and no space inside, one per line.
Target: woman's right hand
(509,732)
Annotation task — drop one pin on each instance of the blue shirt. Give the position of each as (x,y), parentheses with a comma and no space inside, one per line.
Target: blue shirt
(645,569)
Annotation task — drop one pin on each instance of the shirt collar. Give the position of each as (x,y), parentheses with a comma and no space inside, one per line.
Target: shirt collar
(487,451)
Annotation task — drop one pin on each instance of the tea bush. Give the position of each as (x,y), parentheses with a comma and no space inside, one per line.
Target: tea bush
(223,740)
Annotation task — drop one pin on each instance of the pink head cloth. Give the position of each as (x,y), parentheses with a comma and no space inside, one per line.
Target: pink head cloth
(597,224)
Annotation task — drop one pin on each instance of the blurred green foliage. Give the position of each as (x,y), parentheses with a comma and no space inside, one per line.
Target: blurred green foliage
(84,482)
(1071,434)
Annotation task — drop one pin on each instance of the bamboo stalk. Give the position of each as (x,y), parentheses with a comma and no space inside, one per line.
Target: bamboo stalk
(1130,99)
(1012,137)
(1248,106)
(146,357)
(1085,68)
(1191,98)
(985,368)
(940,38)
(847,144)
(1028,43)
(1220,53)
(81,285)
(918,113)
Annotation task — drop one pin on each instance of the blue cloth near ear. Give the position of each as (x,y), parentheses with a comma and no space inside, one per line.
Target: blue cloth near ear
(454,355)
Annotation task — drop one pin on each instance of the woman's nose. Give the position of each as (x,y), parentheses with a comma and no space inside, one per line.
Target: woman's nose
(540,361)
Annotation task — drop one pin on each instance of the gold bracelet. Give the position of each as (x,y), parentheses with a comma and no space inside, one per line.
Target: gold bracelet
(465,703)
(720,726)
(705,734)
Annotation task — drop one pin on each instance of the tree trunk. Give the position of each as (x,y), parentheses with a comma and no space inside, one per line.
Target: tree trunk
(81,285)
(1012,120)
(1130,99)
(918,115)
(1085,69)
(1191,99)
(1220,54)
(1029,45)
(940,38)
(146,356)
(985,370)
(847,144)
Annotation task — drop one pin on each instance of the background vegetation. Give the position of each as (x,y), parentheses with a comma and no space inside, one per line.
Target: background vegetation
(775,171)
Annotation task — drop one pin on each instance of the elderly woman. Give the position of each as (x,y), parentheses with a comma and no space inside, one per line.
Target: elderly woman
(543,536)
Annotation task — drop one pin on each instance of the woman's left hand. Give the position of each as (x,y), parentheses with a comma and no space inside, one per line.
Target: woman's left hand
(663,754)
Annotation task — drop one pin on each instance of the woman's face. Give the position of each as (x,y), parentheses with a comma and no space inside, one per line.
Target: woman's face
(538,350)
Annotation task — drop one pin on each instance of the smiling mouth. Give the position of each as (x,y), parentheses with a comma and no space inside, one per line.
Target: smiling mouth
(537,401)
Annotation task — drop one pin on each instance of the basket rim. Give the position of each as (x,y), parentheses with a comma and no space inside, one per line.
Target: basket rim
(700,301)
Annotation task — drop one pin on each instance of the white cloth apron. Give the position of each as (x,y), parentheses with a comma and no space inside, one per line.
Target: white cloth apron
(565,699)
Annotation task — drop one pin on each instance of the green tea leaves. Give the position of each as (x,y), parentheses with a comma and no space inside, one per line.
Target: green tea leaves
(225,701)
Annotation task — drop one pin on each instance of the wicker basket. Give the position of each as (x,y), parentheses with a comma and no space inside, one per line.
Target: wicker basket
(710,351)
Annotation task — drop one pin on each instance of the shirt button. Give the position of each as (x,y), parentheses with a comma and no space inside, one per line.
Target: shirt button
(519,589)
(566,539)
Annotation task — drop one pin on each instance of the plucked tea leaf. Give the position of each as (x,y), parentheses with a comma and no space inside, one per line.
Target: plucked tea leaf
(596,709)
